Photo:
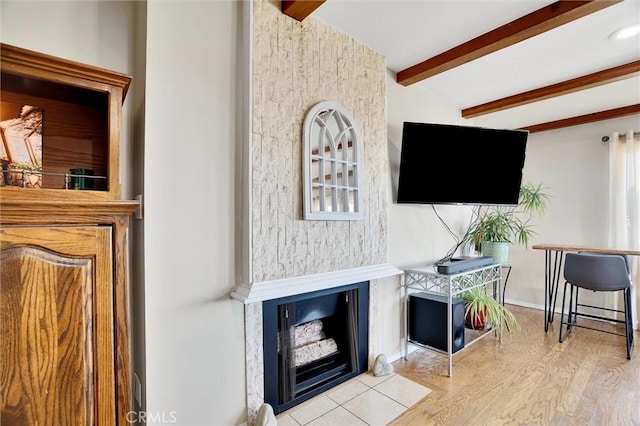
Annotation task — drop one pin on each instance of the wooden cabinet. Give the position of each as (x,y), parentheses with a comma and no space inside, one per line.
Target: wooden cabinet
(57,116)
(57,285)
(64,293)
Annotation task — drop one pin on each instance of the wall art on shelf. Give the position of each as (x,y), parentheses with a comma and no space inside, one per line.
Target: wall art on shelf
(21,130)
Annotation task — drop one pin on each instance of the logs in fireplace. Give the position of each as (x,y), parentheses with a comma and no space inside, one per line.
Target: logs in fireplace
(313,342)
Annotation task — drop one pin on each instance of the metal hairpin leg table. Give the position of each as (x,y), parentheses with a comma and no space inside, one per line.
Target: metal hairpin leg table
(554,253)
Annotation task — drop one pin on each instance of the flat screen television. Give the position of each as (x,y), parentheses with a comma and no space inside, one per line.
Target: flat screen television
(453,164)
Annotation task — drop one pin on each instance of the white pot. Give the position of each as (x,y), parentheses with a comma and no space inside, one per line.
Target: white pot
(499,251)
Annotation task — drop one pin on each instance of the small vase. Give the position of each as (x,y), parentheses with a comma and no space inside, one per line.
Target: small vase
(78,179)
(499,251)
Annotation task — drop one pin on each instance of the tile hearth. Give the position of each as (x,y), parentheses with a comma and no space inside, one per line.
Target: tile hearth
(363,400)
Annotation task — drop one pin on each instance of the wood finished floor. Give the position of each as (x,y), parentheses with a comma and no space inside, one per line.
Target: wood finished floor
(528,379)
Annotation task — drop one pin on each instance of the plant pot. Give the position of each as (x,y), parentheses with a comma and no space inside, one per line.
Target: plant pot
(476,323)
(78,179)
(499,251)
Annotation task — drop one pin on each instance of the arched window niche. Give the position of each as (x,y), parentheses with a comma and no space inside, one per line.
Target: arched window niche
(331,164)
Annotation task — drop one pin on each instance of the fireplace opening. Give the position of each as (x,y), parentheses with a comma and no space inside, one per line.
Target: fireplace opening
(313,342)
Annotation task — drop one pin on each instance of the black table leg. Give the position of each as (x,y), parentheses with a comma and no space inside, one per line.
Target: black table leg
(506,279)
(551,283)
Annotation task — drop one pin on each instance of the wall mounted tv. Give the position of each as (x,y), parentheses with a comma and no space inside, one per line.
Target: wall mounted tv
(452,164)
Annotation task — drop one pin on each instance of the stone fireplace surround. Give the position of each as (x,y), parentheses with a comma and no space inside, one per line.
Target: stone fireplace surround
(290,67)
(253,295)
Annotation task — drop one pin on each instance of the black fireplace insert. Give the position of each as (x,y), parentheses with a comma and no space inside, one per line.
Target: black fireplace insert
(313,342)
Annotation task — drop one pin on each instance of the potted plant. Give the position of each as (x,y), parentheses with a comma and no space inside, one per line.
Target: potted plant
(482,310)
(497,227)
(24,174)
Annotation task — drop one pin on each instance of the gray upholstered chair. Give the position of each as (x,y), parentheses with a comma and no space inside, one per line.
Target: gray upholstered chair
(596,272)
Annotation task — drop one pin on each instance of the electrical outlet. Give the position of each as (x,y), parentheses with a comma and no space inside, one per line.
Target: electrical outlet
(137,389)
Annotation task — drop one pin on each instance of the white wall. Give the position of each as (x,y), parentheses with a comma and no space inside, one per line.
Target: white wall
(136,253)
(417,237)
(194,331)
(573,163)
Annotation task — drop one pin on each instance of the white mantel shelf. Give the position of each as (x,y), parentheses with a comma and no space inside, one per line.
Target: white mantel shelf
(273,289)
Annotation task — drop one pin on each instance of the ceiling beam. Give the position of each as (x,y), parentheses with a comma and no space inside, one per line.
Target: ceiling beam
(300,9)
(611,75)
(544,19)
(584,119)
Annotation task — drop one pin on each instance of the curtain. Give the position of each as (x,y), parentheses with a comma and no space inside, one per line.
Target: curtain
(624,203)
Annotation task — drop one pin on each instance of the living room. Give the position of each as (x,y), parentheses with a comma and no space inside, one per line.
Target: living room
(195,244)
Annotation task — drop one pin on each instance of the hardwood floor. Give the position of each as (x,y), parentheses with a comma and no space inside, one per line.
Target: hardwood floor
(530,378)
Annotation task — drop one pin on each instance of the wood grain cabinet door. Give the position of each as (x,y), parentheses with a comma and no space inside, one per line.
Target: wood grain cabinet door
(56,326)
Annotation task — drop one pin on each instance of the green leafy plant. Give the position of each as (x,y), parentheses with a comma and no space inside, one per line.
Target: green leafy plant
(26,166)
(510,224)
(482,309)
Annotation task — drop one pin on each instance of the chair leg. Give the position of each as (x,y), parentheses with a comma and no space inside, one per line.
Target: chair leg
(629,310)
(562,323)
(628,322)
(574,306)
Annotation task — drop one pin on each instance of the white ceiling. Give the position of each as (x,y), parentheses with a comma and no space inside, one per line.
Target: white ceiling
(407,32)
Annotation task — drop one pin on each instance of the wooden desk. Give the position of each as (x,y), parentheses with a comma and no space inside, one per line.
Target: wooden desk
(552,273)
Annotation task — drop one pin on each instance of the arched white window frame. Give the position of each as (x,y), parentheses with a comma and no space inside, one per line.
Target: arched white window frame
(332,174)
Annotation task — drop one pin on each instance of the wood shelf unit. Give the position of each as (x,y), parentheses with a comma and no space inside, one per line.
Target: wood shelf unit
(64,298)
(81,119)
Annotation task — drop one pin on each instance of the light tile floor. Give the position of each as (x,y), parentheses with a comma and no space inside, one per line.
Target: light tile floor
(363,400)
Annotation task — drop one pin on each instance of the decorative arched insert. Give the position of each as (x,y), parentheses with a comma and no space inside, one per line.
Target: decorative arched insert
(331,164)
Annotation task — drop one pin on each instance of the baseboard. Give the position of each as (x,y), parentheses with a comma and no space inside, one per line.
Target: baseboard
(413,348)
(398,355)
(527,305)
(558,310)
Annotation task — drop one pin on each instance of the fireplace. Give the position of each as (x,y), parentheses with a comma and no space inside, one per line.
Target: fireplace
(313,342)
(260,296)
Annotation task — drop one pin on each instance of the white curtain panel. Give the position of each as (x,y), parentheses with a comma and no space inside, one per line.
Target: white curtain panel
(624,203)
